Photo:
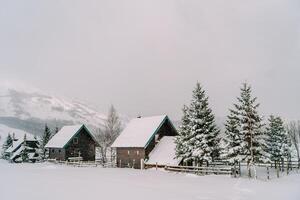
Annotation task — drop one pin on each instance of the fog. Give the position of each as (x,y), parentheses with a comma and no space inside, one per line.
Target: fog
(145,57)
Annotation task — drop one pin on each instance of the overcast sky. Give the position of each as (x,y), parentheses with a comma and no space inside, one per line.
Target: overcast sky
(146,56)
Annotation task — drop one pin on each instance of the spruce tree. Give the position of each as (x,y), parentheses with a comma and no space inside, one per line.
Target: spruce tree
(24,153)
(233,149)
(56,130)
(45,139)
(46,136)
(276,140)
(7,143)
(251,127)
(182,148)
(203,139)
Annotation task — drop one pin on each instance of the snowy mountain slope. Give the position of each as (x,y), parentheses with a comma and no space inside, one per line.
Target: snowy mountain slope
(5,130)
(29,109)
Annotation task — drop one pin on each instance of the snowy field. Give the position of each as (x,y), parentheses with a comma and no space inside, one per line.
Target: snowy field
(54,182)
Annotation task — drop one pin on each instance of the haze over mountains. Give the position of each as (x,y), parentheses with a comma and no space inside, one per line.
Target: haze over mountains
(29,110)
(25,109)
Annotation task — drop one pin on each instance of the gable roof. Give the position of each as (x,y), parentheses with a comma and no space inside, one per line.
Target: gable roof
(140,131)
(17,143)
(164,152)
(65,135)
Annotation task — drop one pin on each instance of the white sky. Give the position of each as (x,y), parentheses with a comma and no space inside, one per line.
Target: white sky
(146,56)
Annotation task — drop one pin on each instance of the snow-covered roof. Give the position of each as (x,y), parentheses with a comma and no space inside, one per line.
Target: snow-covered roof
(14,145)
(164,152)
(17,143)
(60,139)
(139,131)
(17,153)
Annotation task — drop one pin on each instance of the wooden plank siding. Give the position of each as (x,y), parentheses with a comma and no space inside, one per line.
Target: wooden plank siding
(82,142)
(128,156)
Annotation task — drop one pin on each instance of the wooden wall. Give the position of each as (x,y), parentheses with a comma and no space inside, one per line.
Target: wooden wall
(86,146)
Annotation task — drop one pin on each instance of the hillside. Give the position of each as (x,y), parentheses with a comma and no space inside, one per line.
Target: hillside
(29,109)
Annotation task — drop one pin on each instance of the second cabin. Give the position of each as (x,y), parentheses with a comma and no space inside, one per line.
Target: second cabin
(72,142)
(139,139)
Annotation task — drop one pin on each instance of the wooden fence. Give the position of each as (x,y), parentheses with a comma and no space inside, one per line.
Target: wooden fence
(204,170)
(79,163)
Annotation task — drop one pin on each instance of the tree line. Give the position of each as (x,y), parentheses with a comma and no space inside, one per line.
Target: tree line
(246,137)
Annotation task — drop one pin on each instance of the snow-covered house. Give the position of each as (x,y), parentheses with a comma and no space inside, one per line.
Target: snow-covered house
(139,138)
(72,141)
(29,145)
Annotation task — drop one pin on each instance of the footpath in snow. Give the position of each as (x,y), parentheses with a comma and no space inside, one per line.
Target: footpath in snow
(56,182)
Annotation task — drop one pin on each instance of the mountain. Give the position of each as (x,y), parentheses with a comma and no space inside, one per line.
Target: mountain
(5,130)
(29,110)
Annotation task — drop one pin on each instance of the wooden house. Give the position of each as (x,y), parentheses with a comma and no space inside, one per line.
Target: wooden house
(139,138)
(72,142)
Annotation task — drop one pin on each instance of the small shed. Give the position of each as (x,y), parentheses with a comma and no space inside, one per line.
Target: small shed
(72,141)
(139,138)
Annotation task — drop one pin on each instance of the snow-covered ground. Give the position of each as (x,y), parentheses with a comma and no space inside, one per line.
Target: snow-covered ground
(55,182)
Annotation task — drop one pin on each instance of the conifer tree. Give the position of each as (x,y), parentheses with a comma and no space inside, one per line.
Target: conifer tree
(182,148)
(251,128)
(44,140)
(56,130)
(7,143)
(276,139)
(244,137)
(233,149)
(203,140)
(46,136)
(24,153)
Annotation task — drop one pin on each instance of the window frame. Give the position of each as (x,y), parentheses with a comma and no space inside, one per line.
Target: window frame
(75,140)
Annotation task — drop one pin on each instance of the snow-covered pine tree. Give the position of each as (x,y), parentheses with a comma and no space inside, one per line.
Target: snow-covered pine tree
(56,130)
(203,142)
(251,127)
(232,150)
(24,153)
(287,147)
(44,140)
(7,143)
(276,139)
(46,136)
(182,148)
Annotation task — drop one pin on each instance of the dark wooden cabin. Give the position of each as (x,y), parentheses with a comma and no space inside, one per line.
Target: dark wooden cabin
(139,138)
(72,142)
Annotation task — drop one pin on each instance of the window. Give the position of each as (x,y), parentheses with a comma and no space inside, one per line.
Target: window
(75,140)
(52,150)
(128,152)
(59,151)
(137,153)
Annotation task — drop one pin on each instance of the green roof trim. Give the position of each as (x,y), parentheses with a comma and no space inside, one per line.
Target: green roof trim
(157,129)
(78,131)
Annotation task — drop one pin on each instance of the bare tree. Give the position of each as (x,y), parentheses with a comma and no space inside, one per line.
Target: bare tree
(293,130)
(108,134)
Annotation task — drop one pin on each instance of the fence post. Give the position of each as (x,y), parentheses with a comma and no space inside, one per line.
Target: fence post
(156,166)
(120,163)
(240,170)
(268,173)
(234,172)
(277,170)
